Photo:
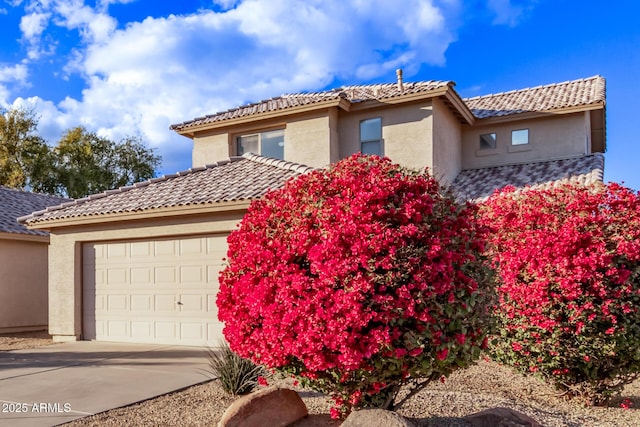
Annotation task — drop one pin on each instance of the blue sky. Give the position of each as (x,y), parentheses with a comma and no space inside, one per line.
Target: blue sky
(133,67)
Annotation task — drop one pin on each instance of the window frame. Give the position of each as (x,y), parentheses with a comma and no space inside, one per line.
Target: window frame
(489,147)
(259,134)
(520,144)
(379,140)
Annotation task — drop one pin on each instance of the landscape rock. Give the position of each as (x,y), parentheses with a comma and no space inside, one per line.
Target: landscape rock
(501,417)
(374,417)
(273,406)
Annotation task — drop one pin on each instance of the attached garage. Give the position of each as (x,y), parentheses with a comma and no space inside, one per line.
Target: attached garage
(140,264)
(159,291)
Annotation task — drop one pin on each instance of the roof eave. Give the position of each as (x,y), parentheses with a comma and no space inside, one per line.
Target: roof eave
(458,103)
(24,237)
(172,211)
(190,131)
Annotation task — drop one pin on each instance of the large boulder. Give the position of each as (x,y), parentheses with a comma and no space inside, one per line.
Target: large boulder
(273,406)
(374,417)
(501,417)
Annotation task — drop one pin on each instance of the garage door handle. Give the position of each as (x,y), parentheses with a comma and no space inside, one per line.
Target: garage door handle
(179,303)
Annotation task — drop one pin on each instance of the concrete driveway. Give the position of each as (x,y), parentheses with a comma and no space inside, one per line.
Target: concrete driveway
(51,385)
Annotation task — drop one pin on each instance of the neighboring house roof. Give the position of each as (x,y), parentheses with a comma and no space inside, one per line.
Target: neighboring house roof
(478,184)
(15,203)
(558,96)
(350,94)
(238,178)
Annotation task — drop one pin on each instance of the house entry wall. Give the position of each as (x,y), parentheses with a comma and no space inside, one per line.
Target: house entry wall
(153,291)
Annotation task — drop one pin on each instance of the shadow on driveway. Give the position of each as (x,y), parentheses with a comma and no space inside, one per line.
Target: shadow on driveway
(59,383)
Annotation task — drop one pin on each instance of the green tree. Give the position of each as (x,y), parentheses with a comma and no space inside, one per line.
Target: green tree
(25,158)
(82,162)
(87,163)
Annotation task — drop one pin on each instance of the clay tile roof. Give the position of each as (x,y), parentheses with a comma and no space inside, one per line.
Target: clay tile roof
(15,203)
(576,93)
(352,94)
(238,178)
(478,184)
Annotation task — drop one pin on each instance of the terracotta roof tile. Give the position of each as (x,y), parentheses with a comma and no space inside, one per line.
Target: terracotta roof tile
(478,184)
(238,178)
(15,203)
(352,94)
(551,97)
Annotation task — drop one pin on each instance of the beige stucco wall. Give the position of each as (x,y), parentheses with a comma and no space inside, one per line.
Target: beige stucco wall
(23,285)
(210,149)
(447,149)
(553,137)
(311,139)
(407,132)
(65,260)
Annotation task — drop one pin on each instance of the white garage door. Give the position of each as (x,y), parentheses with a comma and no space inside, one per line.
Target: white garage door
(153,291)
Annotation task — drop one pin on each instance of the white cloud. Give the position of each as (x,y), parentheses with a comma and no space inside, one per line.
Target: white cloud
(145,75)
(33,25)
(16,73)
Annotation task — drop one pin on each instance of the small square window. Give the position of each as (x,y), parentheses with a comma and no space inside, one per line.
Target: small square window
(520,137)
(488,141)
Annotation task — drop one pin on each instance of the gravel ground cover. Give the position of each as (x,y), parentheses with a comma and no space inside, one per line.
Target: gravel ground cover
(24,340)
(485,385)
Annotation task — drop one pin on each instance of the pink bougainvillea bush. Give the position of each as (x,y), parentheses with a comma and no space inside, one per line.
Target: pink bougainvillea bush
(568,261)
(357,279)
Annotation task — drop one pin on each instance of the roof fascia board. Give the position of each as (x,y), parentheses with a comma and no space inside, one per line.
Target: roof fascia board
(24,237)
(144,214)
(538,114)
(460,106)
(192,130)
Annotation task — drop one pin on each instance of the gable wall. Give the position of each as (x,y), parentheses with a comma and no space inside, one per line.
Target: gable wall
(553,137)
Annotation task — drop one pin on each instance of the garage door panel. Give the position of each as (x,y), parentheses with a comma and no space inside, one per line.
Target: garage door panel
(160,291)
(142,303)
(191,274)
(143,330)
(191,247)
(118,328)
(141,276)
(117,302)
(140,249)
(116,250)
(165,275)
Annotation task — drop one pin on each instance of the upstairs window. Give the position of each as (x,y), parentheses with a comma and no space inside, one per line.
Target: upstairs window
(371,136)
(520,137)
(268,144)
(488,141)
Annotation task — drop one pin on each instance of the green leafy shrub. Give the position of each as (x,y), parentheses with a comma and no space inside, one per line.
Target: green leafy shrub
(237,375)
(568,259)
(357,280)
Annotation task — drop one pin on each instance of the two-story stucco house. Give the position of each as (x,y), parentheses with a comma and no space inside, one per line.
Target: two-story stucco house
(141,263)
